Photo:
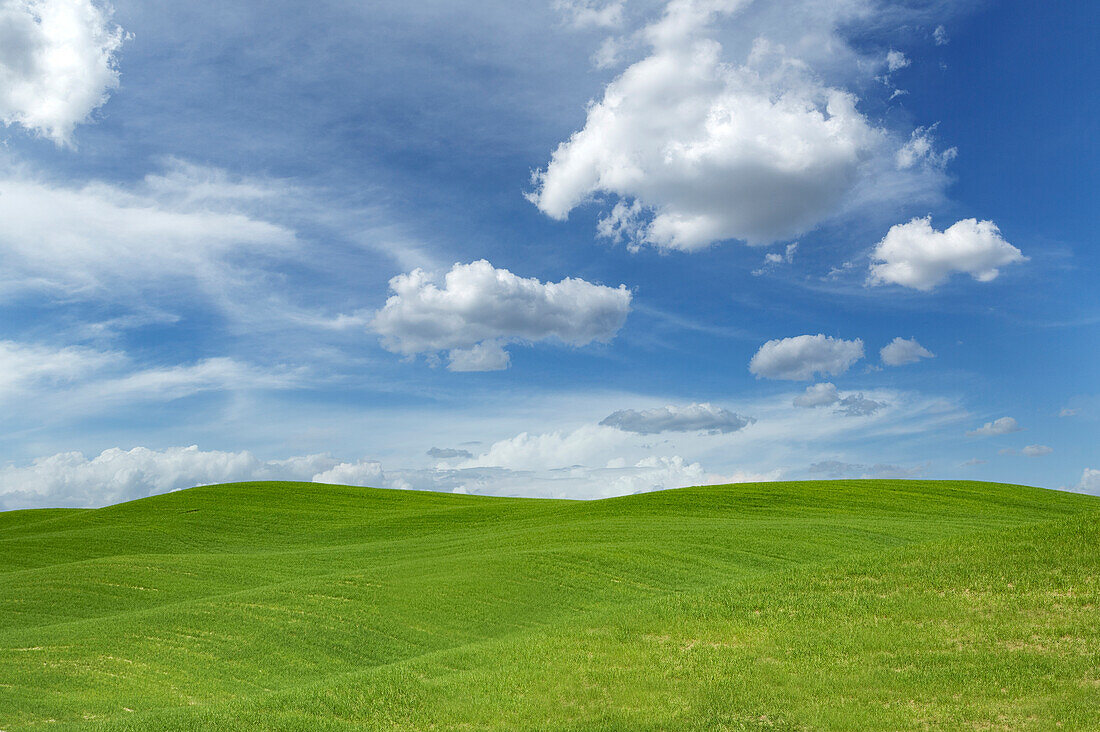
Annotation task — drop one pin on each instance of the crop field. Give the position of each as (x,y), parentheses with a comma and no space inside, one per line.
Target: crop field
(831,605)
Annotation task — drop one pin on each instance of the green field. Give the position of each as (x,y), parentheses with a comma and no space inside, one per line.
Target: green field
(848,605)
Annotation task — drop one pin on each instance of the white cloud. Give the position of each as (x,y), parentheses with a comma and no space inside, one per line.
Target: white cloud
(921,150)
(896,60)
(485,356)
(101,239)
(362,472)
(1090,482)
(70,479)
(691,418)
(940,36)
(755,137)
(799,358)
(583,14)
(1068,412)
(826,395)
(32,366)
(972,462)
(700,150)
(900,351)
(77,379)
(773,259)
(916,255)
(818,395)
(480,307)
(586,445)
(1002,426)
(1036,450)
(58,63)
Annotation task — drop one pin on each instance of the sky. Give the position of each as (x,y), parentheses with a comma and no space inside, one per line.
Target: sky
(562,248)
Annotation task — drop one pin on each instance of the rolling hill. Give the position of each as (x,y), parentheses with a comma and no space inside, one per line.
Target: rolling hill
(870,604)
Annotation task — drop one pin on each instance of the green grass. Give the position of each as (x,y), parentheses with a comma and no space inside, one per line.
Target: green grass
(855,605)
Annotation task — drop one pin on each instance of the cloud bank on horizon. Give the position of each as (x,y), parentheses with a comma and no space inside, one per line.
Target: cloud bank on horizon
(344,295)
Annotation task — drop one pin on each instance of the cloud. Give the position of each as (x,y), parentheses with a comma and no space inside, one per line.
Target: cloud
(447,453)
(739,123)
(28,366)
(799,358)
(939,36)
(818,395)
(921,150)
(901,351)
(81,379)
(1001,426)
(102,240)
(1036,450)
(773,259)
(917,256)
(692,418)
(362,473)
(896,60)
(857,405)
(838,469)
(972,462)
(1067,412)
(700,150)
(485,356)
(480,307)
(826,394)
(115,475)
(1090,482)
(58,63)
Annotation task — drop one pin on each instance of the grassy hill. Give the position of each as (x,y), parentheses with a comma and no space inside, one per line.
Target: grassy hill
(864,605)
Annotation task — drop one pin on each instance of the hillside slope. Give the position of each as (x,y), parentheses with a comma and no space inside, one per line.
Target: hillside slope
(814,605)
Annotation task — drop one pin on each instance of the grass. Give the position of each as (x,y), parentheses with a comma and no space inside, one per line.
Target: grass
(866,605)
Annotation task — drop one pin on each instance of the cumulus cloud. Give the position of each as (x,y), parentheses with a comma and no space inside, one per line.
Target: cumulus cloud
(361,472)
(754,138)
(479,307)
(186,222)
(1002,426)
(115,475)
(826,394)
(1036,450)
(448,453)
(58,63)
(901,351)
(774,259)
(801,357)
(691,418)
(896,60)
(1090,482)
(939,36)
(818,395)
(699,150)
(917,256)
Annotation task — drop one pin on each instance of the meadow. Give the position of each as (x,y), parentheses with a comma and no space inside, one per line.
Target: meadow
(821,605)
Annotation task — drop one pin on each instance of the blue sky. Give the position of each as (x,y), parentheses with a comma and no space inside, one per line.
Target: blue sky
(569,247)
